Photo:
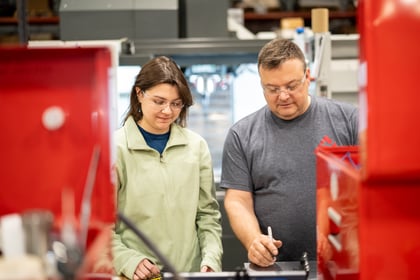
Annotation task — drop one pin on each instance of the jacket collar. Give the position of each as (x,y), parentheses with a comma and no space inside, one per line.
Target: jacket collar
(136,141)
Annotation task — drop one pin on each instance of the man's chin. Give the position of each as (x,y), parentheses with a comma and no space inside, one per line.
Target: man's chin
(286,114)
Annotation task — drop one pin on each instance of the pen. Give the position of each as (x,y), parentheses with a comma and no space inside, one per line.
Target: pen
(270,233)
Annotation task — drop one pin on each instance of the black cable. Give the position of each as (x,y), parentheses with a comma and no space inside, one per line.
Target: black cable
(150,245)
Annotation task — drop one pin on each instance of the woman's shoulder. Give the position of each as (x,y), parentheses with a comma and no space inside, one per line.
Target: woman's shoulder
(120,133)
(187,134)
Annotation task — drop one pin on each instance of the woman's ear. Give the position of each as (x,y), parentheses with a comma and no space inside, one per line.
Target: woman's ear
(138,90)
(138,93)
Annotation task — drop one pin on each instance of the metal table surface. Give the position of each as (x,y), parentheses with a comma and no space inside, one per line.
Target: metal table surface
(279,271)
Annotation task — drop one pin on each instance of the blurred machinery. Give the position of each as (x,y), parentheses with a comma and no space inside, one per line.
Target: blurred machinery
(142,19)
(322,49)
(57,198)
(112,20)
(196,32)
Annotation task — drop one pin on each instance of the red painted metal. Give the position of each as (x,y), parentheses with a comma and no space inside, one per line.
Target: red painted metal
(389,99)
(338,211)
(38,163)
(377,236)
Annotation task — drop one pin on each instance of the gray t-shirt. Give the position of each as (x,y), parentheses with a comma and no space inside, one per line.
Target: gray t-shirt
(275,160)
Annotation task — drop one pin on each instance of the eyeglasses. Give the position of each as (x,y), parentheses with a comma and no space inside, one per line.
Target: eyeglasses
(161,103)
(290,89)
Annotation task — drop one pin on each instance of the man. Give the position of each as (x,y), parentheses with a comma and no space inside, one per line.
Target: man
(269,164)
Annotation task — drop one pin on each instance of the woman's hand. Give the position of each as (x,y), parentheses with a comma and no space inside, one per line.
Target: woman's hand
(146,270)
(206,268)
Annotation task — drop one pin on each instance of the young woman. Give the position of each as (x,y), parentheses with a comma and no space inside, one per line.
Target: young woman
(165,180)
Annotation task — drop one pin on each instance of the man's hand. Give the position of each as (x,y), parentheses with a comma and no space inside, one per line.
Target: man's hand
(263,251)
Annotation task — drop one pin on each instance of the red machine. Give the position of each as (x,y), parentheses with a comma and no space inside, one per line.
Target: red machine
(389,59)
(56,122)
(372,229)
(368,200)
(338,212)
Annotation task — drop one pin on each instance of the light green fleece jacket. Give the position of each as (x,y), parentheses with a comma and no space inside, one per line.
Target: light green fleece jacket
(170,197)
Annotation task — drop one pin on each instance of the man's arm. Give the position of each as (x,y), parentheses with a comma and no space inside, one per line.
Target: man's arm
(240,210)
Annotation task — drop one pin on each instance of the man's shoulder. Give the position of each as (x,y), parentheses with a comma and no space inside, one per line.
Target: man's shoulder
(331,102)
(329,105)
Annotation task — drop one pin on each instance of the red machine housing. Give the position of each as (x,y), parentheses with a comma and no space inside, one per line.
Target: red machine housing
(388,96)
(43,160)
(372,229)
(338,211)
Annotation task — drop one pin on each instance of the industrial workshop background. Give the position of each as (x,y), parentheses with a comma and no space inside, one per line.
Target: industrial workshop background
(216,43)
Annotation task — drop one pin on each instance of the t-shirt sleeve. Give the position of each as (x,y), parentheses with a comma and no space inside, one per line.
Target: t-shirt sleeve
(235,170)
